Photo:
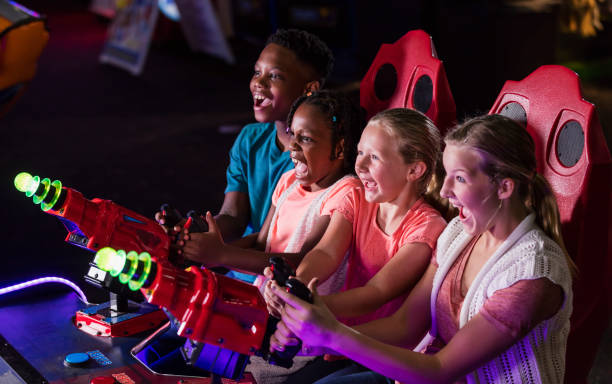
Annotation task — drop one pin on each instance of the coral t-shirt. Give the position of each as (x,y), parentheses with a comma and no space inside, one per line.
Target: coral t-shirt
(371,248)
(298,202)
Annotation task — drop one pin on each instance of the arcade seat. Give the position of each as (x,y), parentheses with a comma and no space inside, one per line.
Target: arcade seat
(572,154)
(408,74)
(23,35)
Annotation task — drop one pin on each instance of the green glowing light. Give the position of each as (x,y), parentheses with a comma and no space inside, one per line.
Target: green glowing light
(110,260)
(144,258)
(37,199)
(58,190)
(132,257)
(33,186)
(24,182)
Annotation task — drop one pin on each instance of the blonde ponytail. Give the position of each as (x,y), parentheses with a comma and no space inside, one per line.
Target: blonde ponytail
(542,202)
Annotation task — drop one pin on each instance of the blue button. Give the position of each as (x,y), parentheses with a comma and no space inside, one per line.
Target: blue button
(76,359)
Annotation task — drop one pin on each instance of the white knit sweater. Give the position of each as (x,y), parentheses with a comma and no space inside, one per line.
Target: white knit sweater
(527,253)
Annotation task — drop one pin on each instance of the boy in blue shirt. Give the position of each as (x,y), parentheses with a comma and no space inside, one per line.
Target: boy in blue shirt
(292,63)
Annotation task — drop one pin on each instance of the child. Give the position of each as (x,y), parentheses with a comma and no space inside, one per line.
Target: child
(323,128)
(292,63)
(498,296)
(388,227)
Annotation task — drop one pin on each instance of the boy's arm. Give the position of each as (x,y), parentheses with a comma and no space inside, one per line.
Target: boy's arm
(234,214)
(262,237)
(399,275)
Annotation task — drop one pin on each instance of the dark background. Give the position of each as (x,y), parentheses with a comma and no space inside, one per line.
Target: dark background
(141,141)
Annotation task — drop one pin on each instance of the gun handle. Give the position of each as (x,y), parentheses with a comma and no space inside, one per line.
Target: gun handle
(285,358)
(198,223)
(281,270)
(173,216)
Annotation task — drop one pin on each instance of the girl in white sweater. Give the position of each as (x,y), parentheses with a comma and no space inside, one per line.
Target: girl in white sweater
(497,296)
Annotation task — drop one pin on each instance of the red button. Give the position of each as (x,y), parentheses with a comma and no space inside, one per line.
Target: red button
(103,380)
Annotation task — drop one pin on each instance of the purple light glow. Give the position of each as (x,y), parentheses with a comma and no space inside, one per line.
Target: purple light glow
(24,9)
(43,280)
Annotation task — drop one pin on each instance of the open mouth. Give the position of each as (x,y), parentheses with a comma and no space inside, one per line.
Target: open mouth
(369,184)
(260,101)
(461,214)
(301,169)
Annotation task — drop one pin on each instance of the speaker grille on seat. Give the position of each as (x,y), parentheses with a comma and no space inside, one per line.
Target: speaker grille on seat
(516,112)
(570,143)
(422,94)
(385,82)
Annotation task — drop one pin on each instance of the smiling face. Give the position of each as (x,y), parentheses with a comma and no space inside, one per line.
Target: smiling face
(469,189)
(311,148)
(379,165)
(279,78)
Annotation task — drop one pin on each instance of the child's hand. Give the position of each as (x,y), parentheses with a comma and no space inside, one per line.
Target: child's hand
(206,248)
(313,323)
(273,302)
(282,338)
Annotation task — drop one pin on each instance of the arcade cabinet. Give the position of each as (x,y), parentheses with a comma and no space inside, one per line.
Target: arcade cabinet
(23,35)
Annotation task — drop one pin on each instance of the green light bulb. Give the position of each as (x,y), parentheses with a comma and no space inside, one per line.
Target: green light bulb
(24,182)
(110,260)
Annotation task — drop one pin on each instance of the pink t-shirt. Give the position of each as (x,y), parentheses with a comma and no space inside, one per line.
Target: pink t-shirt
(371,248)
(297,203)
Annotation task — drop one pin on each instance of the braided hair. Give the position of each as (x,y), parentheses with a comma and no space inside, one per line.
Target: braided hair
(343,118)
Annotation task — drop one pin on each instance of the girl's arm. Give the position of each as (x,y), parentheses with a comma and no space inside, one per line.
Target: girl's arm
(328,253)
(320,262)
(210,249)
(317,326)
(399,275)
(409,324)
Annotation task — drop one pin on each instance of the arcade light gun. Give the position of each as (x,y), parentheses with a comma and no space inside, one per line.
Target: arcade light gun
(225,320)
(93,225)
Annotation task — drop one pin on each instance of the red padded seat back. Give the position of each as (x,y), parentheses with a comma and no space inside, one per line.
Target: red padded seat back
(573,156)
(408,74)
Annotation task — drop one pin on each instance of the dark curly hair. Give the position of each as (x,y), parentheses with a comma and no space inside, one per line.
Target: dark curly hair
(344,120)
(308,48)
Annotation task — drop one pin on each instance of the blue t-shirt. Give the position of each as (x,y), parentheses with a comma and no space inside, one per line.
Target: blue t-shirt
(256,164)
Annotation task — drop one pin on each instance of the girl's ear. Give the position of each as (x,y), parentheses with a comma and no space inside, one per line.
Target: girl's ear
(339,150)
(505,188)
(312,86)
(416,170)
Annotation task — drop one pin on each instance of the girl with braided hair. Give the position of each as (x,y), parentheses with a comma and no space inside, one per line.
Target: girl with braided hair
(324,127)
